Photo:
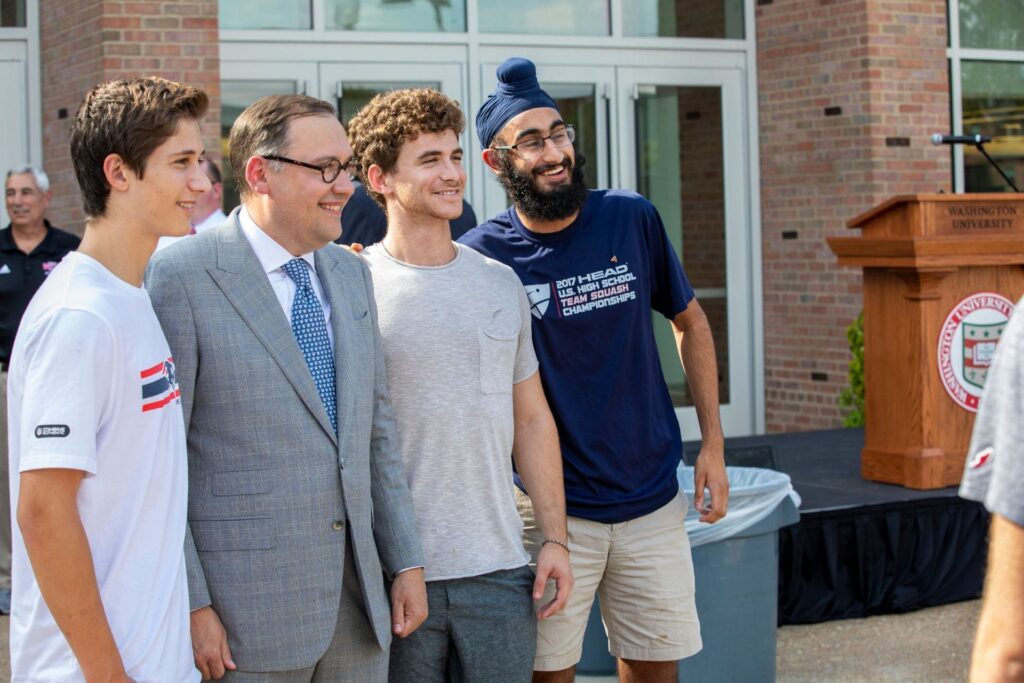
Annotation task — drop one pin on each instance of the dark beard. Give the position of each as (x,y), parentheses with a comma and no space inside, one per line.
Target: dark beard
(553,205)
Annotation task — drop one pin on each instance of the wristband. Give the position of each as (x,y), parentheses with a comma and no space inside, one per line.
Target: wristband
(551,540)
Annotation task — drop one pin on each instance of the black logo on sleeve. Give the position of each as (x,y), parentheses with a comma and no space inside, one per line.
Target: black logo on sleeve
(52,431)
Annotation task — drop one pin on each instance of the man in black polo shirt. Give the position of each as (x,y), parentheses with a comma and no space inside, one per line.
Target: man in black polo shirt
(29,249)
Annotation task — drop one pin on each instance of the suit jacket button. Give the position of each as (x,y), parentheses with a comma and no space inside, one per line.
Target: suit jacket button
(338,526)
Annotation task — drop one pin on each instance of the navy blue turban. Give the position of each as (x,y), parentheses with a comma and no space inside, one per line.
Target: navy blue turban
(517,91)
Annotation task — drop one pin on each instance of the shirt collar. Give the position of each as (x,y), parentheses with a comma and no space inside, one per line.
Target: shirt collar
(211,221)
(7,242)
(7,239)
(270,254)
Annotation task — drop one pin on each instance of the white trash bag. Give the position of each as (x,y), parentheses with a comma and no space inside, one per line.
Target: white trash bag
(754,493)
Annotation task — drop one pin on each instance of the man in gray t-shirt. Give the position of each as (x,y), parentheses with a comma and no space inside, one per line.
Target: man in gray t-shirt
(994,475)
(466,392)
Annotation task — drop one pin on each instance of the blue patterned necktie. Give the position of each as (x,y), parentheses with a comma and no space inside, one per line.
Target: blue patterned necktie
(310,331)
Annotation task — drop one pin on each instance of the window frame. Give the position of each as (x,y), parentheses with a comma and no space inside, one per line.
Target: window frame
(956,56)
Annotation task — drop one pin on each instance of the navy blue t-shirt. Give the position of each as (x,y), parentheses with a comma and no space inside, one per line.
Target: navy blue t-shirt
(592,287)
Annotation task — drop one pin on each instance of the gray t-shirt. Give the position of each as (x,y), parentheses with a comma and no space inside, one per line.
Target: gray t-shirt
(994,473)
(456,338)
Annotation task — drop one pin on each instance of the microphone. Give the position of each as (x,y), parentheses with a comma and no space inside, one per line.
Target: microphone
(940,139)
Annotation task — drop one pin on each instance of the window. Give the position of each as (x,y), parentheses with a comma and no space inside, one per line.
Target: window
(12,13)
(684,18)
(561,17)
(266,14)
(986,55)
(992,24)
(993,105)
(446,16)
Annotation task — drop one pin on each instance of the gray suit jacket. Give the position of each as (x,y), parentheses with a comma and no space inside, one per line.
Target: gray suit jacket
(272,490)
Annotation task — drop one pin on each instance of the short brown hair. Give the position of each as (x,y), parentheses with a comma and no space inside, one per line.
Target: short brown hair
(129,117)
(378,131)
(262,129)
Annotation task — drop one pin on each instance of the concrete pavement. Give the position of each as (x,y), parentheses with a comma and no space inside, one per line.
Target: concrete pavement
(929,646)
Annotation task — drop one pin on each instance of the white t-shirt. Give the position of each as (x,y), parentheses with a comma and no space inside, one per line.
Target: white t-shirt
(456,338)
(994,470)
(92,388)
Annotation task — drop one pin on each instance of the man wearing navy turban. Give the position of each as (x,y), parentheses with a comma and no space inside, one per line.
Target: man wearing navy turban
(595,264)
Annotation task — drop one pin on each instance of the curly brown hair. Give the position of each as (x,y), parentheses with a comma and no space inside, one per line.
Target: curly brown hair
(378,131)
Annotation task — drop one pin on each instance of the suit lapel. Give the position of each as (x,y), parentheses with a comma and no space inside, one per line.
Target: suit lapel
(240,276)
(338,285)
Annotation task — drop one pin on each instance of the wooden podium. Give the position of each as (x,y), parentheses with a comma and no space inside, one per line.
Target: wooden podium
(941,274)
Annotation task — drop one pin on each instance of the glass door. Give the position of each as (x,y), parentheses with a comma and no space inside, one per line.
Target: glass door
(684,147)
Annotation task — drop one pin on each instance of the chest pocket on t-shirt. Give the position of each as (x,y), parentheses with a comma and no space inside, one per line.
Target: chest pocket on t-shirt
(497,361)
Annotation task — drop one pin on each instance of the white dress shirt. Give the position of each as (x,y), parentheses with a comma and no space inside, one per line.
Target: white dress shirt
(211,221)
(272,256)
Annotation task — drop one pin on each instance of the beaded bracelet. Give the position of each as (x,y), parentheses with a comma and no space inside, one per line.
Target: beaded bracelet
(551,540)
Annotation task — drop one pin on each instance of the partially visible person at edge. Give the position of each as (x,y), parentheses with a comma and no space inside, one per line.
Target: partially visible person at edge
(994,475)
(363,221)
(464,384)
(595,264)
(29,249)
(97,435)
(298,501)
(208,212)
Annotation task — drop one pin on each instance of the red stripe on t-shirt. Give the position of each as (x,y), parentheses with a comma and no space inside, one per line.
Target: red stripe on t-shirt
(155,405)
(149,372)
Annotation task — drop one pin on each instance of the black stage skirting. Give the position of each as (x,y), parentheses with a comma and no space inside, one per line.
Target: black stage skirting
(863,548)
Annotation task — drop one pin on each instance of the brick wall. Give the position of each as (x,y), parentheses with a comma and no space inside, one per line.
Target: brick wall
(849,91)
(86,42)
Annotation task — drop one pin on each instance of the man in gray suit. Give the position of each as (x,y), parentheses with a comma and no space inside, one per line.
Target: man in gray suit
(297,497)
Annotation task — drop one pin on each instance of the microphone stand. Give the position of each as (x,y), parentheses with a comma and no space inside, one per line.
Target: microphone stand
(981,148)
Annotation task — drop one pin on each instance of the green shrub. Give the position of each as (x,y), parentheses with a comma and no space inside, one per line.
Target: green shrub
(852,397)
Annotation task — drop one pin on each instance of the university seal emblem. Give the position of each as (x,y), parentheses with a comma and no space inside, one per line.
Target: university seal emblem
(967,344)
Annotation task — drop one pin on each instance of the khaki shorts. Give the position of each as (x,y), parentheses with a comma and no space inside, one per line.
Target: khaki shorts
(643,572)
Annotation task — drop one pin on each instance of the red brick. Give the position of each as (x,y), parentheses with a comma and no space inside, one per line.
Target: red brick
(121,22)
(161,22)
(85,42)
(163,50)
(817,172)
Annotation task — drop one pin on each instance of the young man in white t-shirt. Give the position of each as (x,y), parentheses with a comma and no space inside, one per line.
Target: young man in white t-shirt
(96,432)
(464,386)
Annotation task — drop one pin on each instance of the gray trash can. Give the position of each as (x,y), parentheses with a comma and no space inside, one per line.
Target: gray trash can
(736,565)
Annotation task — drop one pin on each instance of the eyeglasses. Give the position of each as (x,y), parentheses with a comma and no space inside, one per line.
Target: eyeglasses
(531,148)
(329,170)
